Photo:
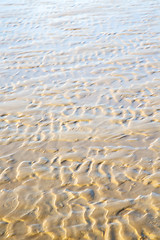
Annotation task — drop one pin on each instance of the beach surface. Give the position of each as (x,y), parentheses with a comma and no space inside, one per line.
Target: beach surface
(80,120)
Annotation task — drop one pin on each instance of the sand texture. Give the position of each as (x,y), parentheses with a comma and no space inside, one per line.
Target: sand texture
(80,120)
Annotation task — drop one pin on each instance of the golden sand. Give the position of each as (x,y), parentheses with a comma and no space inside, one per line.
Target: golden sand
(80,134)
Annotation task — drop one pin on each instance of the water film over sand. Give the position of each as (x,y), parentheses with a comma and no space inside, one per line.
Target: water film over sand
(79,120)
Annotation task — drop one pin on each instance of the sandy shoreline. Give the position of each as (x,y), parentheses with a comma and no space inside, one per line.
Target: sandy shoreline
(79,121)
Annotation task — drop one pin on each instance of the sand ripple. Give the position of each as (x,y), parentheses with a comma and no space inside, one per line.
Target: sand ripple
(80,141)
(70,173)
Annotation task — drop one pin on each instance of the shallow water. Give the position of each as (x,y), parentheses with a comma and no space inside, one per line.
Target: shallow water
(79,120)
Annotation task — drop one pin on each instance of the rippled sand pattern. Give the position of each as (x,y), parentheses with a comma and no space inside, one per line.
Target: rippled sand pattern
(80,120)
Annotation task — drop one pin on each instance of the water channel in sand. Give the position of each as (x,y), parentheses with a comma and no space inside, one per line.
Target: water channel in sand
(79,120)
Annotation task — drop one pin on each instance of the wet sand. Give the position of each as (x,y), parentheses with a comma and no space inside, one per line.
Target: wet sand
(79,120)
